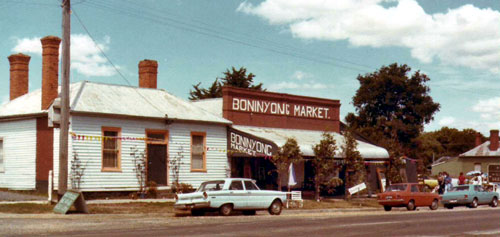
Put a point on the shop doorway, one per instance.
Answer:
(157, 159)
(257, 168)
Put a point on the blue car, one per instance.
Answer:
(469, 195)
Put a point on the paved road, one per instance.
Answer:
(458, 222)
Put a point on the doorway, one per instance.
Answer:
(157, 159)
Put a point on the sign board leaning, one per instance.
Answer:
(68, 200)
(494, 173)
(357, 188)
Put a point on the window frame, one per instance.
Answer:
(204, 154)
(2, 154)
(119, 153)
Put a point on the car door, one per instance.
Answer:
(485, 195)
(237, 194)
(254, 196)
(416, 195)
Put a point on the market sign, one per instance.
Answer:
(280, 108)
(240, 143)
(494, 173)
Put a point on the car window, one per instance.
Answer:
(397, 187)
(249, 185)
(477, 188)
(236, 185)
(211, 186)
(414, 189)
(460, 188)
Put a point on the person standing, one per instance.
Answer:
(461, 179)
(447, 182)
(440, 183)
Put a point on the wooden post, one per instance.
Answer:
(65, 67)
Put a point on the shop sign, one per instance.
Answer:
(280, 108)
(494, 173)
(246, 144)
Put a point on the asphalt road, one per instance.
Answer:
(483, 221)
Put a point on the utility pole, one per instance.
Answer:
(63, 135)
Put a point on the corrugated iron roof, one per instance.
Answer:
(103, 98)
(481, 150)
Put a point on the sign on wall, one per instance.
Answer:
(280, 108)
(494, 173)
(241, 143)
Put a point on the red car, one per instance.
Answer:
(409, 195)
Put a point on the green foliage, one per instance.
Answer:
(324, 165)
(182, 188)
(288, 153)
(445, 142)
(236, 78)
(354, 163)
(392, 106)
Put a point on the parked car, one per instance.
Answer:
(230, 194)
(470, 195)
(409, 195)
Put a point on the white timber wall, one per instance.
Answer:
(19, 147)
(179, 141)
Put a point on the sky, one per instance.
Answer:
(305, 47)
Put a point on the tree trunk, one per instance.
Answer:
(346, 185)
(279, 180)
(316, 185)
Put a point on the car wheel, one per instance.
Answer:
(275, 208)
(226, 209)
(434, 205)
(474, 203)
(387, 208)
(494, 202)
(448, 206)
(249, 213)
(411, 205)
(197, 213)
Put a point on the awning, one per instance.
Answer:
(306, 139)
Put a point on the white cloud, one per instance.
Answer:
(489, 109)
(465, 36)
(86, 58)
(299, 75)
(447, 121)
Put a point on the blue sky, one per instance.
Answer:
(314, 47)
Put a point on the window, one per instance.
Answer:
(198, 159)
(2, 167)
(111, 146)
(477, 167)
(414, 189)
(236, 185)
(249, 185)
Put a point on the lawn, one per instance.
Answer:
(165, 208)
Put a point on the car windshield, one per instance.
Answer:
(459, 188)
(211, 186)
(397, 187)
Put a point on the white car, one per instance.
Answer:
(226, 195)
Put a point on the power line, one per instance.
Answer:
(169, 22)
(110, 62)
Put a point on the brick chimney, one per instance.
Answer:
(148, 71)
(19, 74)
(50, 69)
(478, 139)
(494, 140)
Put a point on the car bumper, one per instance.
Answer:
(456, 202)
(392, 202)
(190, 206)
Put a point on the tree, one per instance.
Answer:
(392, 108)
(235, 78)
(324, 165)
(287, 154)
(354, 163)
(445, 142)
